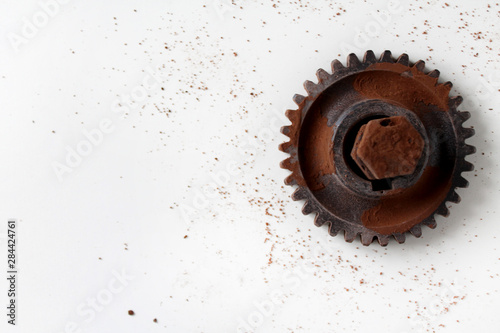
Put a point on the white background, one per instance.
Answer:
(228, 73)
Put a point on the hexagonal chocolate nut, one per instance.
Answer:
(387, 148)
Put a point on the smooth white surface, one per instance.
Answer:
(248, 242)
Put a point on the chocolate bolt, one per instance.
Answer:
(387, 148)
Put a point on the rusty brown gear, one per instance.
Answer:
(326, 125)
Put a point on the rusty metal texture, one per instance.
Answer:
(422, 161)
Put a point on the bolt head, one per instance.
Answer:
(387, 148)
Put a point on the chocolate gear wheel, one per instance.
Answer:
(326, 133)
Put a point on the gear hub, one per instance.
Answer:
(387, 148)
(377, 148)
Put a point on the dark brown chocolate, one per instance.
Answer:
(376, 148)
(387, 148)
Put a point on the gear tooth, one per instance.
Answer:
(386, 56)
(465, 115)
(454, 197)
(403, 60)
(462, 182)
(367, 238)
(333, 229)
(284, 146)
(455, 101)
(337, 66)
(285, 130)
(353, 61)
(308, 208)
(400, 238)
(310, 87)
(468, 132)
(286, 163)
(298, 99)
(349, 235)
(319, 220)
(299, 194)
(291, 114)
(416, 231)
(369, 57)
(322, 75)
(431, 222)
(469, 150)
(383, 240)
(419, 65)
(467, 166)
(448, 84)
(290, 180)
(434, 73)
(443, 210)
